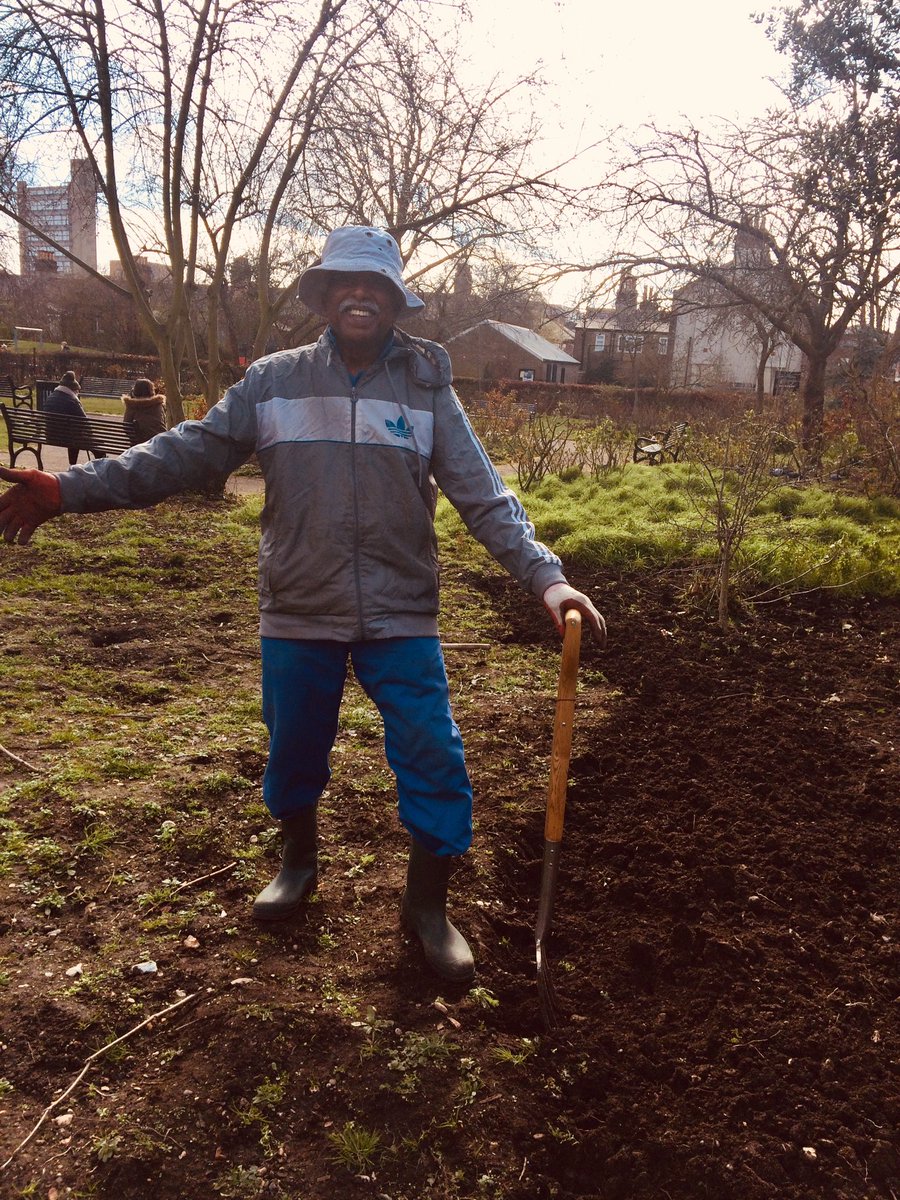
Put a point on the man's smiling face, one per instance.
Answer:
(361, 307)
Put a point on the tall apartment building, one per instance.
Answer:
(68, 214)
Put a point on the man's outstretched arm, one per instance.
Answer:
(33, 499)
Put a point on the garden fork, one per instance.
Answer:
(556, 807)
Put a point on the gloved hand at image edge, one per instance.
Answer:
(560, 596)
(34, 499)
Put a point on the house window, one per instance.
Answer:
(663, 347)
(631, 343)
(551, 373)
(599, 342)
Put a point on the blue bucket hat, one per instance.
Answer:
(357, 248)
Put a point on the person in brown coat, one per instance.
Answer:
(147, 408)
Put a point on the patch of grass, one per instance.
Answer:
(515, 1057)
(96, 838)
(214, 785)
(355, 1147)
(483, 997)
(51, 901)
(106, 1146)
(268, 1095)
(645, 518)
(359, 716)
(415, 1052)
(14, 844)
(118, 763)
(363, 863)
(43, 854)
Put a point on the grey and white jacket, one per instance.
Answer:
(348, 549)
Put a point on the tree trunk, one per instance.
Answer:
(723, 584)
(264, 327)
(171, 381)
(813, 408)
(213, 358)
(765, 354)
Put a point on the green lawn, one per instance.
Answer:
(799, 537)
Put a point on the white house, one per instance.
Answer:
(718, 343)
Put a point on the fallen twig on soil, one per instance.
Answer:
(21, 761)
(190, 883)
(87, 1066)
(820, 587)
(201, 878)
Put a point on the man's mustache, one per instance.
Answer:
(368, 305)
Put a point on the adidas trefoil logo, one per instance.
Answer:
(399, 428)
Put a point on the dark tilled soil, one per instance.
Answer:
(724, 954)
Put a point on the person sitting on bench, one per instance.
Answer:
(147, 408)
(64, 400)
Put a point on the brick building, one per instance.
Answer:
(495, 350)
(630, 343)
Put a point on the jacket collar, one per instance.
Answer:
(427, 363)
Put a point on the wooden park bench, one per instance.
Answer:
(17, 396)
(27, 430)
(656, 449)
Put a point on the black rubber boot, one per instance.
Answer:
(299, 869)
(424, 912)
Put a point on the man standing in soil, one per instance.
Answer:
(354, 435)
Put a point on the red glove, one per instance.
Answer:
(34, 500)
(559, 597)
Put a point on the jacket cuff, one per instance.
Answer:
(545, 576)
(70, 494)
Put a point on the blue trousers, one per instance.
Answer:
(302, 685)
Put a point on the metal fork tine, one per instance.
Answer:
(546, 992)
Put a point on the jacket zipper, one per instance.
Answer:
(356, 565)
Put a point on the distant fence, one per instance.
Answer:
(27, 366)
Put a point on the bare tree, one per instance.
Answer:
(188, 128)
(730, 478)
(493, 288)
(783, 182)
(451, 169)
(816, 184)
(204, 149)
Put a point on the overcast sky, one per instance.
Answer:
(619, 64)
(628, 62)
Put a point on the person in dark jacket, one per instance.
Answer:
(147, 408)
(64, 400)
(354, 435)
